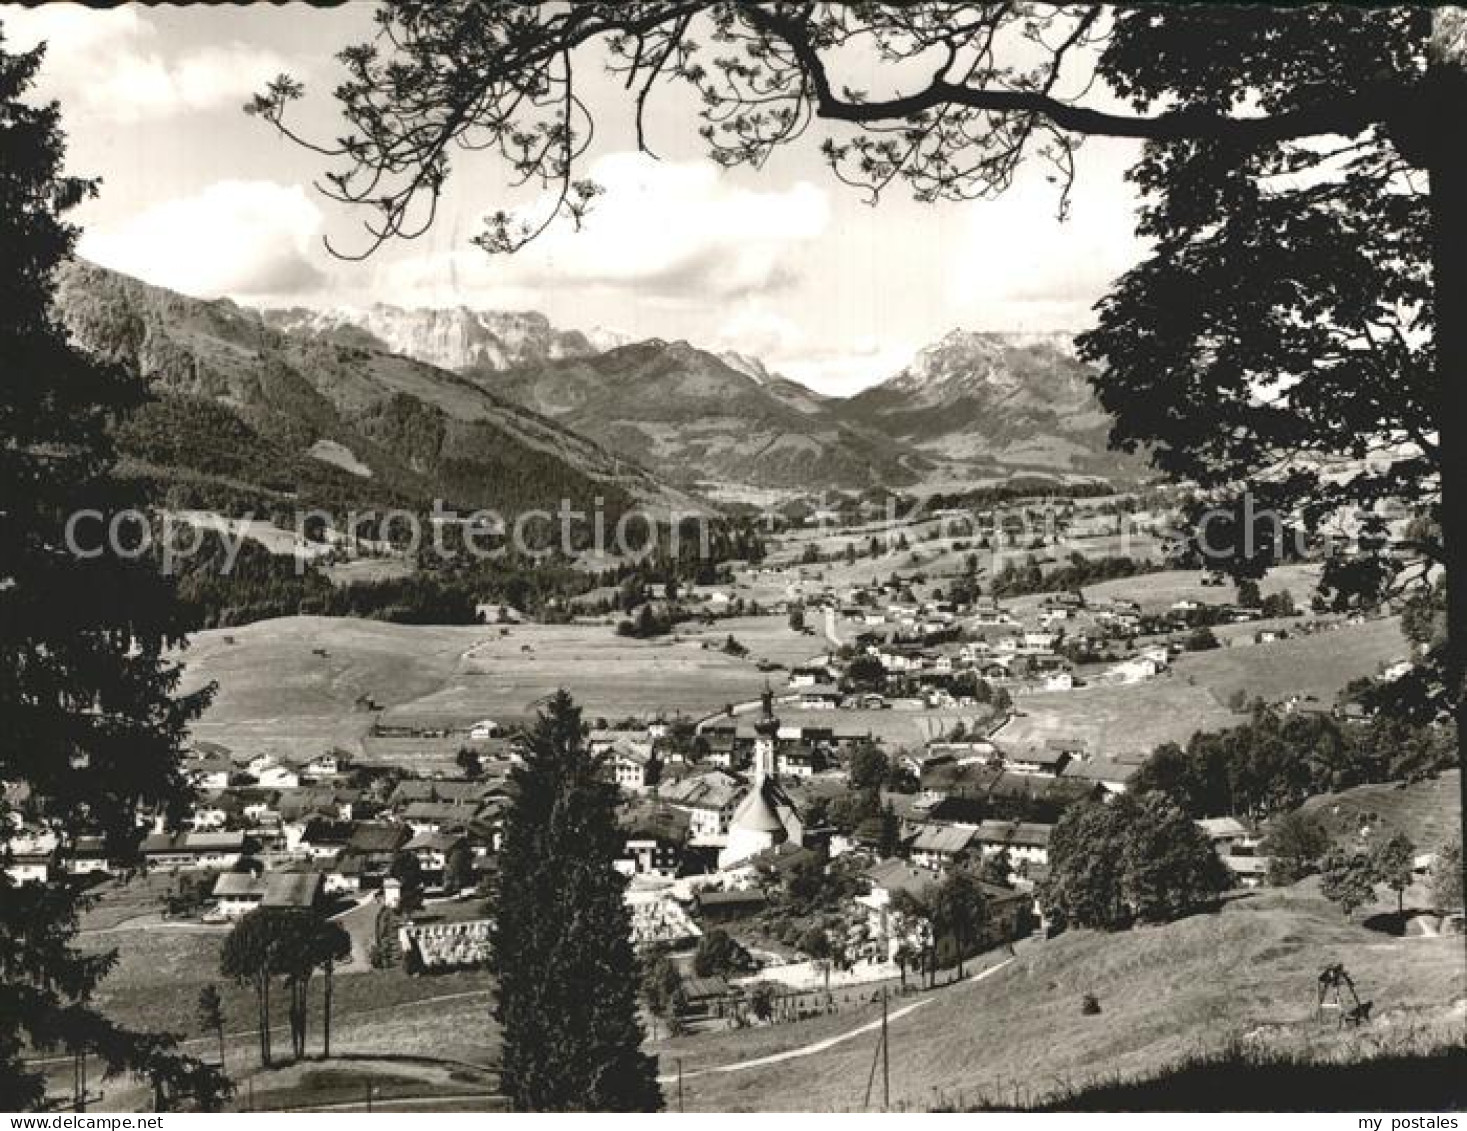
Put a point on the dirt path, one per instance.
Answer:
(829, 1042)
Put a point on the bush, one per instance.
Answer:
(1089, 1005)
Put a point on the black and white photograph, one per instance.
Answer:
(721, 556)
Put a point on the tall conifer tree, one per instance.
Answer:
(90, 726)
(567, 973)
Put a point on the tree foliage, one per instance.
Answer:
(93, 723)
(1276, 760)
(1132, 858)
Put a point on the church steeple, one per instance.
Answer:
(766, 731)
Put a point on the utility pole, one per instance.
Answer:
(885, 1057)
(680, 1107)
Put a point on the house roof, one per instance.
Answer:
(417, 789)
(1047, 755)
(437, 811)
(1216, 827)
(697, 989)
(323, 830)
(739, 897)
(194, 842)
(713, 790)
(944, 839)
(292, 889)
(897, 875)
(237, 884)
(433, 842)
(371, 836)
(1021, 834)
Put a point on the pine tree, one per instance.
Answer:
(562, 952)
(93, 729)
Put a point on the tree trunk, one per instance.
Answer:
(1447, 167)
(220, 1030)
(326, 1013)
(264, 998)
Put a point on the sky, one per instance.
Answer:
(783, 262)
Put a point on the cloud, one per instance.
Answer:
(673, 232)
(240, 238)
(108, 64)
(1019, 267)
(845, 371)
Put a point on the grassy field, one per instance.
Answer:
(1157, 592)
(293, 684)
(1319, 664)
(160, 971)
(1131, 718)
(1165, 992)
(1429, 812)
(895, 728)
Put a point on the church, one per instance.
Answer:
(766, 817)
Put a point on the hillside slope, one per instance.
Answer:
(250, 413)
(1247, 972)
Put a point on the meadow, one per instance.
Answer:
(1246, 972)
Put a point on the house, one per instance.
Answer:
(720, 750)
(916, 762)
(650, 856)
(435, 816)
(820, 696)
(1247, 871)
(88, 856)
(1026, 842)
(323, 838)
(1136, 670)
(194, 850)
(1108, 773)
(936, 847)
(326, 765)
(810, 675)
(634, 765)
(1049, 759)
(886, 929)
(709, 799)
(721, 906)
(432, 851)
(236, 894)
(1229, 836)
(209, 766)
(273, 773)
(33, 856)
(410, 790)
(485, 729)
(369, 838)
(800, 760)
(292, 890)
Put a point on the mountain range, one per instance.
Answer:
(503, 409)
(973, 405)
(251, 415)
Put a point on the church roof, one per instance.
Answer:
(756, 813)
